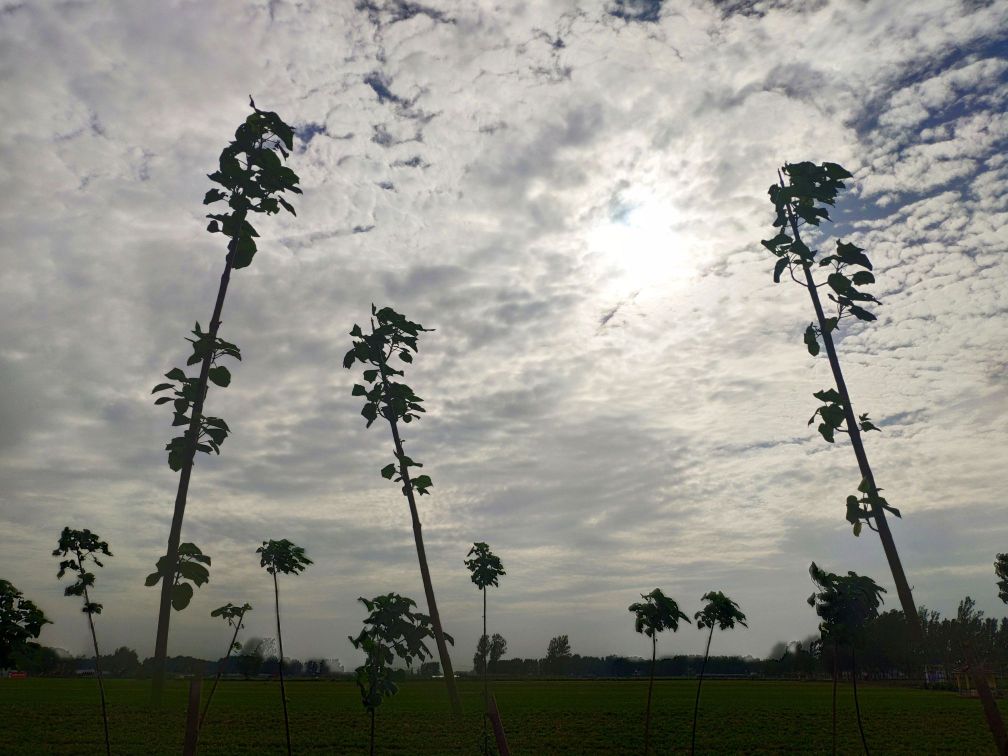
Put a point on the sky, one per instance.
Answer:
(572, 195)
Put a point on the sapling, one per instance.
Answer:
(391, 630)
(254, 179)
(77, 547)
(724, 613)
(234, 616)
(485, 568)
(845, 604)
(20, 620)
(656, 613)
(282, 556)
(392, 335)
(799, 201)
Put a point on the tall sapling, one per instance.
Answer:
(254, 179)
(392, 335)
(485, 568)
(724, 613)
(77, 547)
(234, 616)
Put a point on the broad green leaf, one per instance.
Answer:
(388, 471)
(245, 249)
(181, 596)
(779, 268)
(220, 375)
(811, 342)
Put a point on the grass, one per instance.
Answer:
(541, 717)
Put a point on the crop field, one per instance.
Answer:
(541, 717)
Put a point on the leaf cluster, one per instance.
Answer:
(485, 566)
(863, 507)
(656, 613)
(254, 179)
(212, 430)
(719, 610)
(189, 567)
(833, 415)
(1001, 570)
(844, 603)
(282, 556)
(80, 546)
(234, 615)
(391, 630)
(20, 619)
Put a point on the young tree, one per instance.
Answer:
(558, 652)
(20, 620)
(845, 605)
(1001, 570)
(77, 547)
(653, 615)
(722, 612)
(282, 556)
(234, 616)
(498, 647)
(799, 201)
(391, 629)
(392, 335)
(254, 179)
(485, 568)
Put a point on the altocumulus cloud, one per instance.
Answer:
(573, 199)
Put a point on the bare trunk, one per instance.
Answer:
(857, 705)
(486, 694)
(191, 743)
(836, 670)
(446, 665)
(991, 712)
(283, 690)
(97, 663)
(854, 430)
(372, 732)
(696, 705)
(647, 711)
(175, 534)
(220, 669)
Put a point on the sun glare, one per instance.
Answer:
(642, 246)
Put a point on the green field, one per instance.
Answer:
(541, 717)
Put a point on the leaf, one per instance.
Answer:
(220, 375)
(826, 431)
(358, 390)
(857, 528)
(181, 596)
(244, 251)
(861, 314)
(213, 196)
(370, 375)
(162, 387)
(862, 277)
(370, 412)
(162, 399)
(831, 324)
(388, 471)
(827, 395)
(779, 268)
(811, 341)
(153, 579)
(175, 374)
(349, 358)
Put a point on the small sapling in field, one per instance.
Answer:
(391, 630)
(722, 612)
(657, 612)
(234, 616)
(288, 558)
(78, 547)
(485, 569)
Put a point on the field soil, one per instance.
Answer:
(56, 716)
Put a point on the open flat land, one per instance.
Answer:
(56, 716)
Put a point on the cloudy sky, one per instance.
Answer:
(572, 195)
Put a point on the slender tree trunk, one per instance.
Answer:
(283, 690)
(854, 430)
(446, 665)
(857, 706)
(696, 705)
(836, 670)
(175, 534)
(372, 732)
(486, 694)
(97, 663)
(647, 710)
(993, 716)
(220, 669)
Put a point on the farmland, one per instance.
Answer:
(60, 716)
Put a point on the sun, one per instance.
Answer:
(642, 244)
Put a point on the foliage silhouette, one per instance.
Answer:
(498, 648)
(288, 558)
(20, 620)
(558, 653)
(189, 568)
(485, 569)
(254, 179)
(392, 629)
(656, 613)
(845, 605)
(724, 613)
(234, 616)
(1001, 570)
(799, 201)
(77, 547)
(392, 335)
